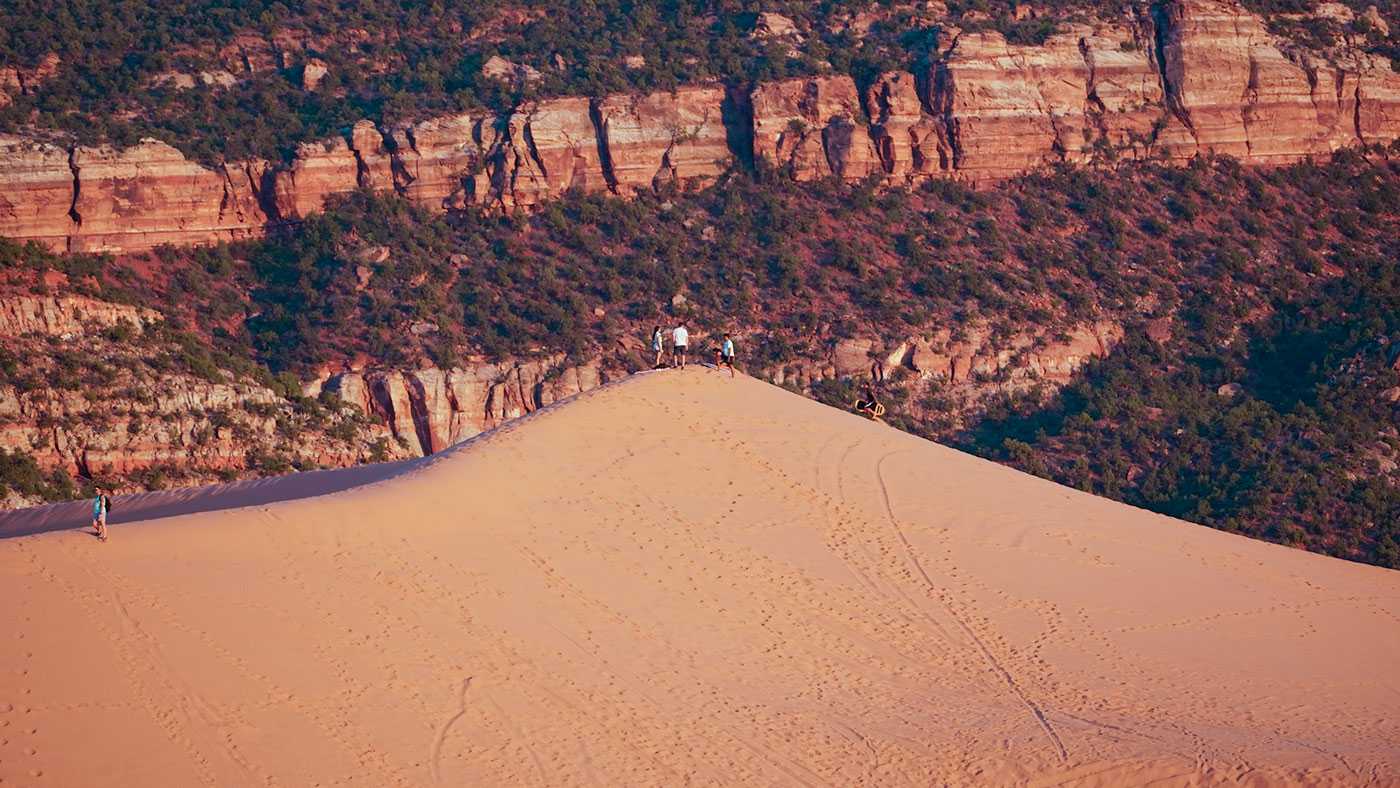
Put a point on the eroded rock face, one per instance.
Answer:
(150, 194)
(57, 316)
(429, 409)
(1230, 90)
(548, 148)
(36, 191)
(998, 120)
(320, 169)
(812, 128)
(664, 138)
(908, 139)
(1124, 98)
(440, 163)
(1183, 77)
(972, 355)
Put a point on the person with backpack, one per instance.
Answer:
(101, 505)
(680, 342)
(657, 341)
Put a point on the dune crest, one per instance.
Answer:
(683, 578)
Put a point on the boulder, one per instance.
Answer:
(312, 73)
(852, 357)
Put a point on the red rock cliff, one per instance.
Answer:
(1183, 78)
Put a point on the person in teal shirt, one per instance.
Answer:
(726, 354)
(100, 506)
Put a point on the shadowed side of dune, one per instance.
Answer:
(170, 503)
(138, 507)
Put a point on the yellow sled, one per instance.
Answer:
(875, 414)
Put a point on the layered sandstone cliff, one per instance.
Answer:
(1181, 78)
(428, 409)
(99, 410)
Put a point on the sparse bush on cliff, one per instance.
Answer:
(21, 475)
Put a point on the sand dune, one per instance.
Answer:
(683, 579)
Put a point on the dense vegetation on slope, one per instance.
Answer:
(1281, 282)
(400, 60)
(1305, 453)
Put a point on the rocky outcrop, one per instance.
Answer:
(38, 186)
(66, 315)
(1184, 77)
(664, 138)
(320, 169)
(180, 422)
(1007, 109)
(429, 409)
(148, 195)
(973, 354)
(1231, 90)
(547, 149)
(908, 139)
(441, 163)
(813, 128)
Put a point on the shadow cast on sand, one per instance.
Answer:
(170, 503)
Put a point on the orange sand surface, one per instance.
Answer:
(686, 579)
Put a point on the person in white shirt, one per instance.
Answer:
(680, 342)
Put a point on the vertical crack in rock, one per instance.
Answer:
(878, 117)
(950, 154)
(226, 200)
(736, 113)
(1094, 107)
(1310, 72)
(530, 148)
(418, 410)
(77, 188)
(1356, 112)
(1249, 102)
(362, 176)
(399, 175)
(1171, 92)
(605, 160)
(264, 190)
(666, 171)
(70, 242)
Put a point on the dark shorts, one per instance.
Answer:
(723, 359)
(680, 348)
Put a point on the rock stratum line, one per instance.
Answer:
(1181, 78)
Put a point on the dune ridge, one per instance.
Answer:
(689, 579)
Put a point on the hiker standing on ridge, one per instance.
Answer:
(726, 355)
(656, 346)
(680, 342)
(100, 506)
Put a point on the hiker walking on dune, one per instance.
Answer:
(680, 342)
(726, 355)
(100, 506)
(657, 346)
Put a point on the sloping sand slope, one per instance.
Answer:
(687, 579)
